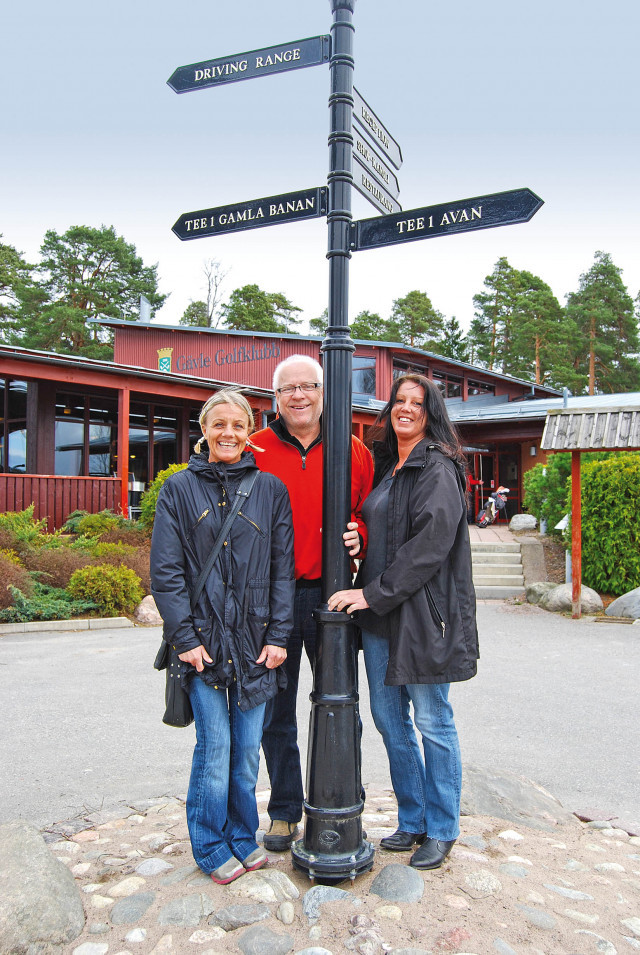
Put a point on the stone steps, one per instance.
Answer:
(497, 570)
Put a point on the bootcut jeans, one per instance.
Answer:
(222, 815)
(427, 789)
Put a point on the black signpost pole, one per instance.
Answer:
(333, 848)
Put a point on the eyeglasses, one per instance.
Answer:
(305, 386)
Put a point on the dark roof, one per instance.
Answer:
(610, 423)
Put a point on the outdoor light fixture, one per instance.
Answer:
(533, 450)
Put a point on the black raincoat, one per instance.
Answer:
(427, 589)
(247, 602)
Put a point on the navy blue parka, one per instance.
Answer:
(247, 602)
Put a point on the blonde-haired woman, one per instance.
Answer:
(234, 638)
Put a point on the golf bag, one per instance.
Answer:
(495, 502)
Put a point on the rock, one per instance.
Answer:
(474, 842)
(509, 835)
(147, 612)
(537, 917)
(186, 911)
(515, 871)
(98, 928)
(269, 885)
(452, 940)
(398, 883)
(522, 522)
(582, 917)
(559, 600)
(211, 935)
(481, 884)
(389, 912)
(164, 945)
(153, 867)
(180, 875)
(513, 798)
(632, 925)
(129, 910)
(534, 592)
(317, 896)
(239, 916)
(91, 948)
(609, 867)
(314, 950)
(286, 913)
(259, 940)
(39, 902)
(569, 893)
(127, 887)
(628, 605)
(502, 948)
(601, 944)
(135, 935)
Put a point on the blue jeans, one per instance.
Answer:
(280, 736)
(427, 789)
(221, 803)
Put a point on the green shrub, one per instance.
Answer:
(545, 490)
(133, 534)
(11, 556)
(93, 525)
(22, 525)
(137, 561)
(611, 523)
(149, 499)
(47, 603)
(114, 590)
(13, 576)
(70, 526)
(121, 551)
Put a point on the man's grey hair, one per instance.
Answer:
(314, 365)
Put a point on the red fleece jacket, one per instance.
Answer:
(302, 473)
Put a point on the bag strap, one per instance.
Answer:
(244, 490)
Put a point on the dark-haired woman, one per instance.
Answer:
(416, 606)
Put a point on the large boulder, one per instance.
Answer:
(522, 522)
(626, 606)
(147, 612)
(515, 798)
(535, 592)
(559, 600)
(40, 906)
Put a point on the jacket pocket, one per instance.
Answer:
(252, 523)
(256, 620)
(204, 630)
(435, 611)
(202, 517)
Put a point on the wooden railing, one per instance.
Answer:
(56, 496)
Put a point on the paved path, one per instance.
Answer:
(555, 699)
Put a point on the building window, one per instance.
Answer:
(480, 388)
(449, 385)
(363, 375)
(85, 435)
(13, 432)
(404, 368)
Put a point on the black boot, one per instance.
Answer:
(401, 841)
(431, 854)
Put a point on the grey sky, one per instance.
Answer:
(481, 97)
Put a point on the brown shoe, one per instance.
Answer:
(280, 835)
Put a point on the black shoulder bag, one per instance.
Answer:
(178, 705)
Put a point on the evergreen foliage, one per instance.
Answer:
(453, 343)
(251, 309)
(15, 279)
(85, 274)
(611, 523)
(545, 491)
(45, 603)
(414, 321)
(607, 330)
(113, 590)
(149, 499)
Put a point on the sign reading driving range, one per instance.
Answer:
(252, 214)
(245, 66)
(463, 215)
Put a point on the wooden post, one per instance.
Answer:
(123, 448)
(576, 535)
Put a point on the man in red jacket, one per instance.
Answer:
(292, 447)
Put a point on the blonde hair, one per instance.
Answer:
(228, 396)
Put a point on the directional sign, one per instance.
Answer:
(371, 188)
(306, 204)
(367, 120)
(245, 66)
(463, 215)
(365, 154)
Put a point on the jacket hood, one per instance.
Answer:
(218, 470)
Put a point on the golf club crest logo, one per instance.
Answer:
(164, 359)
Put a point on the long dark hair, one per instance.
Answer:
(440, 430)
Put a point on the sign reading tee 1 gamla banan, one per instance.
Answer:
(362, 155)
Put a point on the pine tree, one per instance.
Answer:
(607, 329)
(490, 332)
(453, 343)
(251, 309)
(417, 322)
